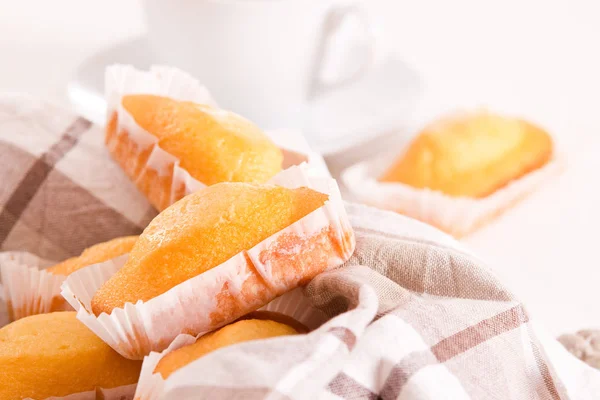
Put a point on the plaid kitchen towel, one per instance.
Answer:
(60, 192)
(413, 315)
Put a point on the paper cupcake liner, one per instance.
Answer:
(119, 393)
(297, 306)
(292, 304)
(154, 171)
(458, 216)
(151, 385)
(242, 284)
(159, 81)
(26, 288)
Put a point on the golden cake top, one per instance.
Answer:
(471, 154)
(199, 232)
(241, 331)
(96, 254)
(212, 144)
(56, 355)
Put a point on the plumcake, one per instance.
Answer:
(95, 254)
(471, 155)
(238, 332)
(205, 229)
(55, 355)
(211, 144)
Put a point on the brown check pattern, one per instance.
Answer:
(413, 315)
(48, 206)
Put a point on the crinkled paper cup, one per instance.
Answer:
(293, 305)
(27, 288)
(119, 393)
(155, 172)
(150, 385)
(319, 241)
(297, 306)
(458, 216)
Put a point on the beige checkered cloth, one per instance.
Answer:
(60, 192)
(413, 315)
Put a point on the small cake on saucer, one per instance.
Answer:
(471, 155)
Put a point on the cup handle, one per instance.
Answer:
(332, 24)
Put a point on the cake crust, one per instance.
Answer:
(202, 231)
(56, 355)
(238, 332)
(95, 254)
(211, 144)
(471, 155)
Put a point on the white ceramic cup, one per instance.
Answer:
(260, 58)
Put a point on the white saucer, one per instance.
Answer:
(380, 103)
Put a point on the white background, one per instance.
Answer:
(538, 58)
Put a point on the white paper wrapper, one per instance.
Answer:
(160, 80)
(119, 393)
(458, 216)
(296, 151)
(151, 385)
(191, 307)
(296, 306)
(292, 304)
(169, 181)
(26, 288)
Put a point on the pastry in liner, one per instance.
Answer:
(209, 144)
(237, 332)
(55, 355)
(460, 172)
(319, 240)
(471, 155)
(293, 310)
(201, 231)
(30, 289)
(95, 254)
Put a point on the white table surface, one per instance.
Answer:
(534, 57)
